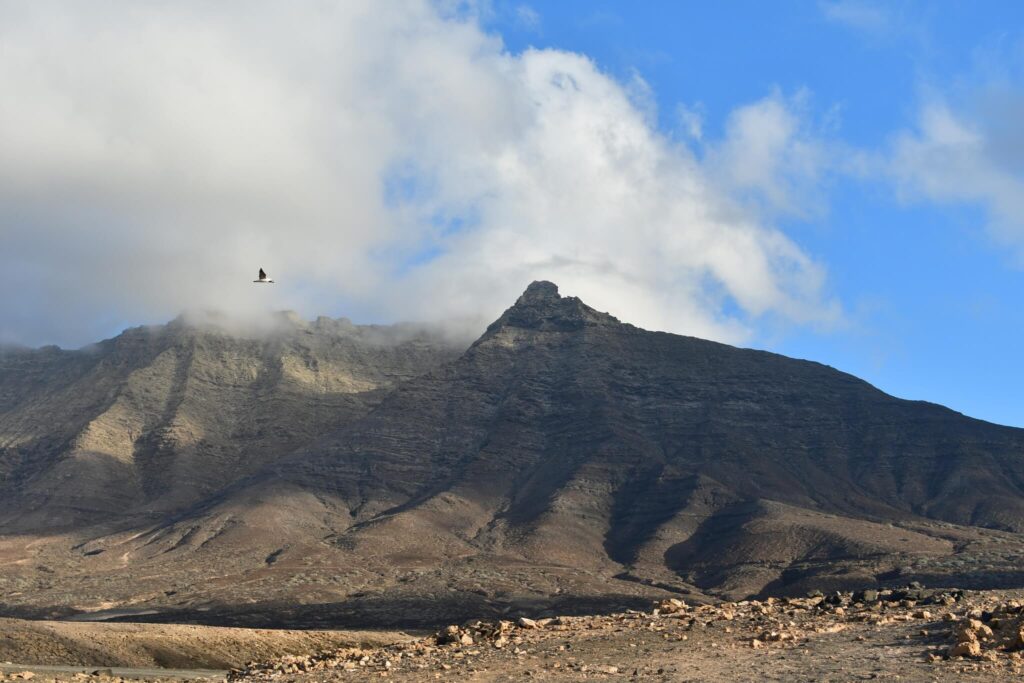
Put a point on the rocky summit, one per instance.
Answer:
(327, 474)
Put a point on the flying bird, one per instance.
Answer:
(263, 277)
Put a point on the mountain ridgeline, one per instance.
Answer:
(160, 417)
(331, 473)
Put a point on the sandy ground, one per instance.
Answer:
(174, 646)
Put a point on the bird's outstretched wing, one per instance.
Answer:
(263, 276)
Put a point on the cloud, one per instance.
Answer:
(770, 153)
(859, 15)
(527, 17)
(380, 161)
(968, 157)
(691, 121)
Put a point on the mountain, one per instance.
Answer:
(563, 459)
(160, 417)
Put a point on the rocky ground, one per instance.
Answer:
(66, 674)
(908, 634)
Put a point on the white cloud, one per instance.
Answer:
(770, 153)
(527, 17)
(857, 14)
(691, 121)
(956, 157)
(378, 159)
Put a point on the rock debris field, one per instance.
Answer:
(905, 634)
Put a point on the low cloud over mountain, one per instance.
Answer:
(390, 163)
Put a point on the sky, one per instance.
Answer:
(840, 180)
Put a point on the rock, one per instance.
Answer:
(451, 634)
(523, 622)
(756, 644)
(671, 606)
(922, 614)
(964, 633)
(869, 596)
(834, 599)
(968, 648)
(466, 639)
(1017, 641)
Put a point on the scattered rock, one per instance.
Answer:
(991, 633)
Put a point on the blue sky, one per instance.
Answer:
(840, 180)
(934, 302)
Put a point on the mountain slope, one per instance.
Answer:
(159, 418)
(565, 434)
(566, 456)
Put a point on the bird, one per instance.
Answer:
(263, 278)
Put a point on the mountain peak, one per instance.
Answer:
(541, 307)
(541, 290)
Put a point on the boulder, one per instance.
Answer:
(967, 648)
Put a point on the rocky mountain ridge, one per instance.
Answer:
(563, 458)
(159, 417)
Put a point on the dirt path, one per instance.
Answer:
(64, 673)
